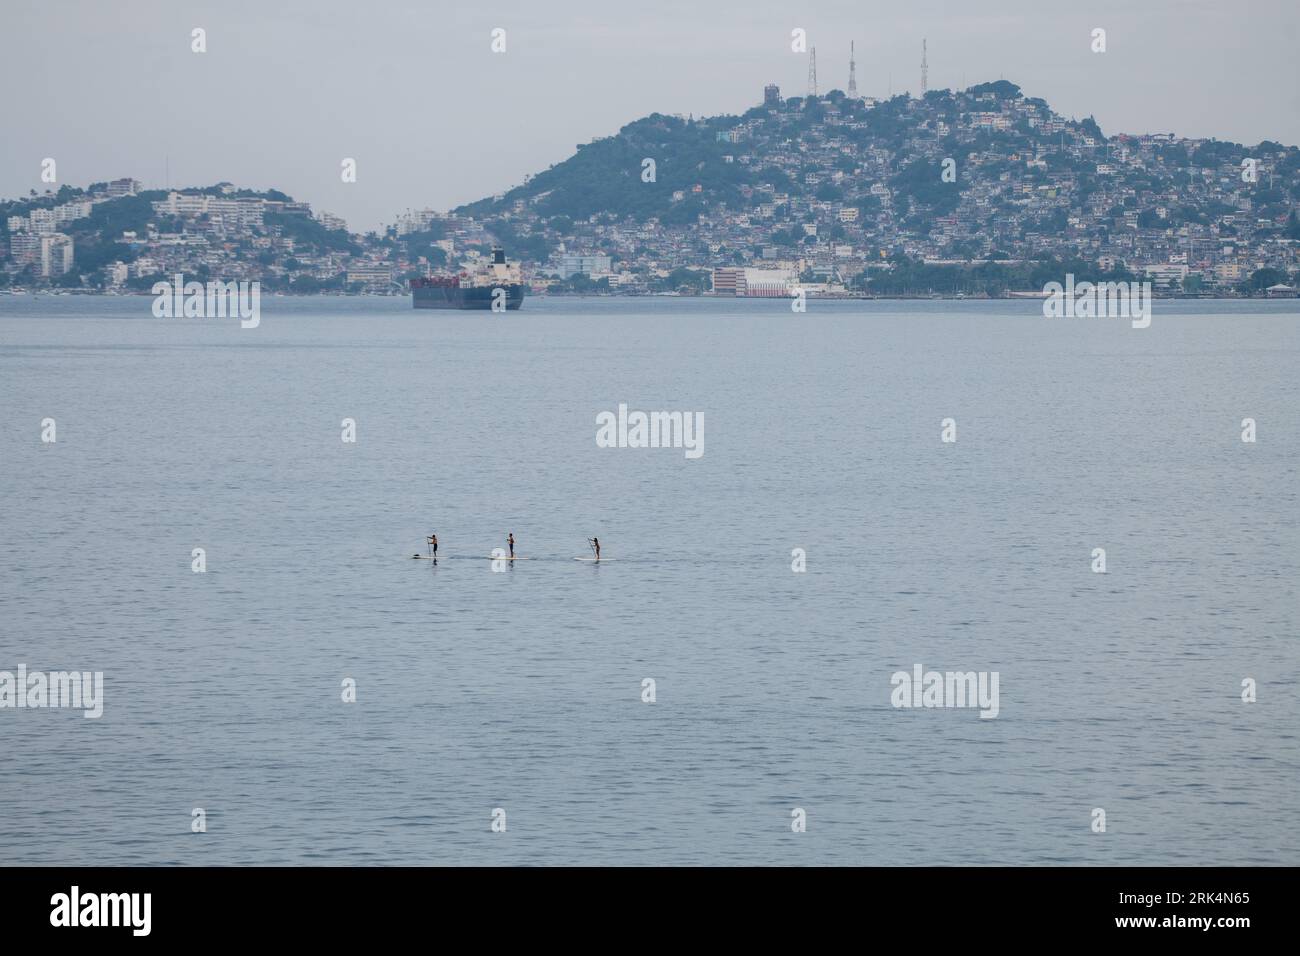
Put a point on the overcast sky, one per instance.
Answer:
(434, 118)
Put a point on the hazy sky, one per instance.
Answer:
(412, 91)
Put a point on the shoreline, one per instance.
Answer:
(919, 297)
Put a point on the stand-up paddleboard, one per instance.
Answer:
(595, 560)
(494, 557)
(427, 557)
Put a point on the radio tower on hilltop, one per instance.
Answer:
(925, 71)
(853, 74)
(812, 71)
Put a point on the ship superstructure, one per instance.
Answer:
(487, 285)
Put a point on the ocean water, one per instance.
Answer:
(521, 688)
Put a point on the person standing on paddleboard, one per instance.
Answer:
(595, 544)
(510, 540)
(433, 544)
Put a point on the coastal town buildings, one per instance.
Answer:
(834, 193)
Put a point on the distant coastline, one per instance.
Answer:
(1026, 296)
(977, 193)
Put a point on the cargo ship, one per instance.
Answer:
(474, 287)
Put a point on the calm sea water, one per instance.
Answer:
(522, 689)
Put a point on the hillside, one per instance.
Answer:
(132, 240)
(804, 177)
(975, 192)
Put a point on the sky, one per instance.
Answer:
(413, 92)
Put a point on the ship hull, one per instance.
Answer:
(452, 297)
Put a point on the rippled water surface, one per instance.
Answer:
(522, 689)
